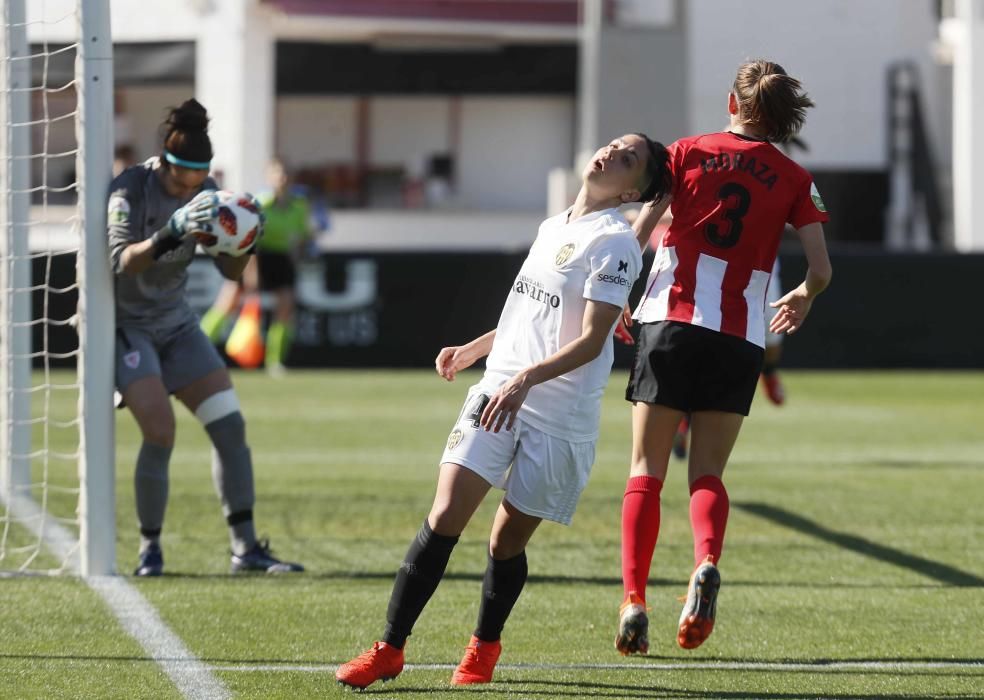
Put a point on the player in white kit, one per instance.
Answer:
(530, 425)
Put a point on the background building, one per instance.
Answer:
(467, 106)
(451, 127)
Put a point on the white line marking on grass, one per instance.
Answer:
(141, 621)
(136, 616)
(818, 666)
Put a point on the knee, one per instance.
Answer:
(444, 521)
(220, 413)
(644, 465)
(159, 429)
(705, 474)
(501, 546)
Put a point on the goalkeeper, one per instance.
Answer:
(156, 212)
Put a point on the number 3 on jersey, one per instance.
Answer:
(737, 200)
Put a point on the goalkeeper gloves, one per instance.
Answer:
(193, 218)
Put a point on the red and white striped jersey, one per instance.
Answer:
(732, 197)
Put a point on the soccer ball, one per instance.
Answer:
(236, 227)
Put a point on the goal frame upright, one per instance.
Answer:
(96, 310)
(95, 313)
(15, 270)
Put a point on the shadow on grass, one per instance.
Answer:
(922, 464)
(705, 663)
(927, 567)
(548, 579)
(633, 690)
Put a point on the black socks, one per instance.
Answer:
(504, 581)
(421, 571)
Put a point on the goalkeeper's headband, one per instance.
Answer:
(192, 164)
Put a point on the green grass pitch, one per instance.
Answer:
(855, 539)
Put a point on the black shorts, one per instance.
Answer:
(276, 271)
(691, 368)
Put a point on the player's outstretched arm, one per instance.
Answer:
(649, 216)
(794, 307)
(458, 357)
(596, 329)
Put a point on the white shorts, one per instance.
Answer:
(542, 475)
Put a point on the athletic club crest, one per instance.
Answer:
(132, 359)
(454, 439)
(564, 254)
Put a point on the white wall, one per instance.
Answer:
(508, 145)
(146, 107)
(131, 20)
(403, 131)
(840, 49)
(315, 130)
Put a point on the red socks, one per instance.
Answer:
(640, 528)
(640, 525)
(708, 517)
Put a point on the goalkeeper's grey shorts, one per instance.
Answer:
(178, 356)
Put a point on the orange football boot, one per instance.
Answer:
(478, 663)
(381, 663)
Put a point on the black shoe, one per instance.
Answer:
(151, 561)
(260, 558)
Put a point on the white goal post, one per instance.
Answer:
(81, 539)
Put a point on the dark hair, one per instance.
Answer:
(658, 177)
(185, 132)
(771, 99)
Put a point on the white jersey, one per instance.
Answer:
(595, 257)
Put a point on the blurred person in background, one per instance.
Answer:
(288, 236)
(123, 157)
(771, 382)
(157, 211)
(531, 424)
(702, 316)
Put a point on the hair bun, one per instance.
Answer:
(190, 116)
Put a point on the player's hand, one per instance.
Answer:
(505, 403)
(451, 360)
(622, 333)
(195, 217)
(793, 309)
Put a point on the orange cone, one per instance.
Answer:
(245, 344)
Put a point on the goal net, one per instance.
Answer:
(57, 511)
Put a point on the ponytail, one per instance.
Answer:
(770, 99)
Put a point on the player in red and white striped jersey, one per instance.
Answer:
(703, 325)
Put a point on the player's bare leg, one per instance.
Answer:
(281, 332)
